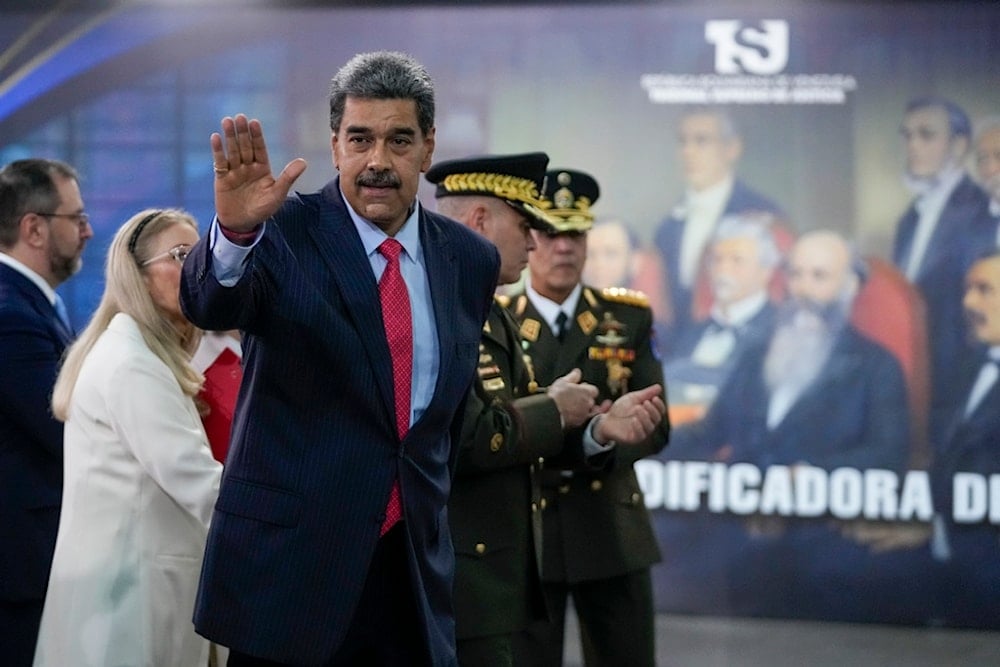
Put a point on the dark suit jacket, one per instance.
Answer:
(971, 444)
(314, 448)
(972, 575)
(963, 230)
(854, 414)
(681, 370)
(668, 241)
(32, 341)
(494, 506)
(595, 523)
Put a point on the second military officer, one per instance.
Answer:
(598, 543)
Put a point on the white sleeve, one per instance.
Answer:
(159, 424)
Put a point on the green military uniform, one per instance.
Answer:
(603, 509)
(595, 522)
(494, 507)
(495, 500)
(598, 542)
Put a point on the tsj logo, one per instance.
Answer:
(747, 49)
(751, 58)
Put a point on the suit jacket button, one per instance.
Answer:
(564, 488)
(635, 498)
(496, 442)
(480, 548)
(596, 485)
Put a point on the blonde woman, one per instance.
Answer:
(140, 480)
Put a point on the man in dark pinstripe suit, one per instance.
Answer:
(304, 564)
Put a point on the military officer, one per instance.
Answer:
(598, 544)
(511, 423)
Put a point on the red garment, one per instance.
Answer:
(218, 396)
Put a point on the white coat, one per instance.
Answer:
(139, 486)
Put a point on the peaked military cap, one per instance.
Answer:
(567, 198)
(516, 179)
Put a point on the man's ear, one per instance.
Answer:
(30, 230)
(479, 217)
(429, 143)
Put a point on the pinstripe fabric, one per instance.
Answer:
(314, 448)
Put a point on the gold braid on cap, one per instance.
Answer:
(568, 208)
(503, 186)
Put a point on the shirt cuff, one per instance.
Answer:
(590, 445)
(229, 258)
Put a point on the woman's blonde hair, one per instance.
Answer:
(125, 291)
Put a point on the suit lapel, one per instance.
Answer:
(904, 238)
(982, 418)
(341, 249)
(439, 263)
(494, 329)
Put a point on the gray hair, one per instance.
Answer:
(383, 75)
(754, 226)
(29, 186)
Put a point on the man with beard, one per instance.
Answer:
(742, 257)
(821, 395)
(741, 260)
(945, 227)
(43, 231)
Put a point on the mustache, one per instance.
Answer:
(377, 179)
(974, 318)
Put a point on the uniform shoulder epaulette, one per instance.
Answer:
(502, 299)
(630, 297)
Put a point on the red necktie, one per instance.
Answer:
(399, 334)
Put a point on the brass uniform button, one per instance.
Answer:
(542, 503)
(480, 548)
(596, 485)
(496, 442)
(564, 488)
(635, 498)
(534, 507)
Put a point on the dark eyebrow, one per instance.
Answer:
(361, 129)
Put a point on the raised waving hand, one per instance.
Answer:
(246, 192)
